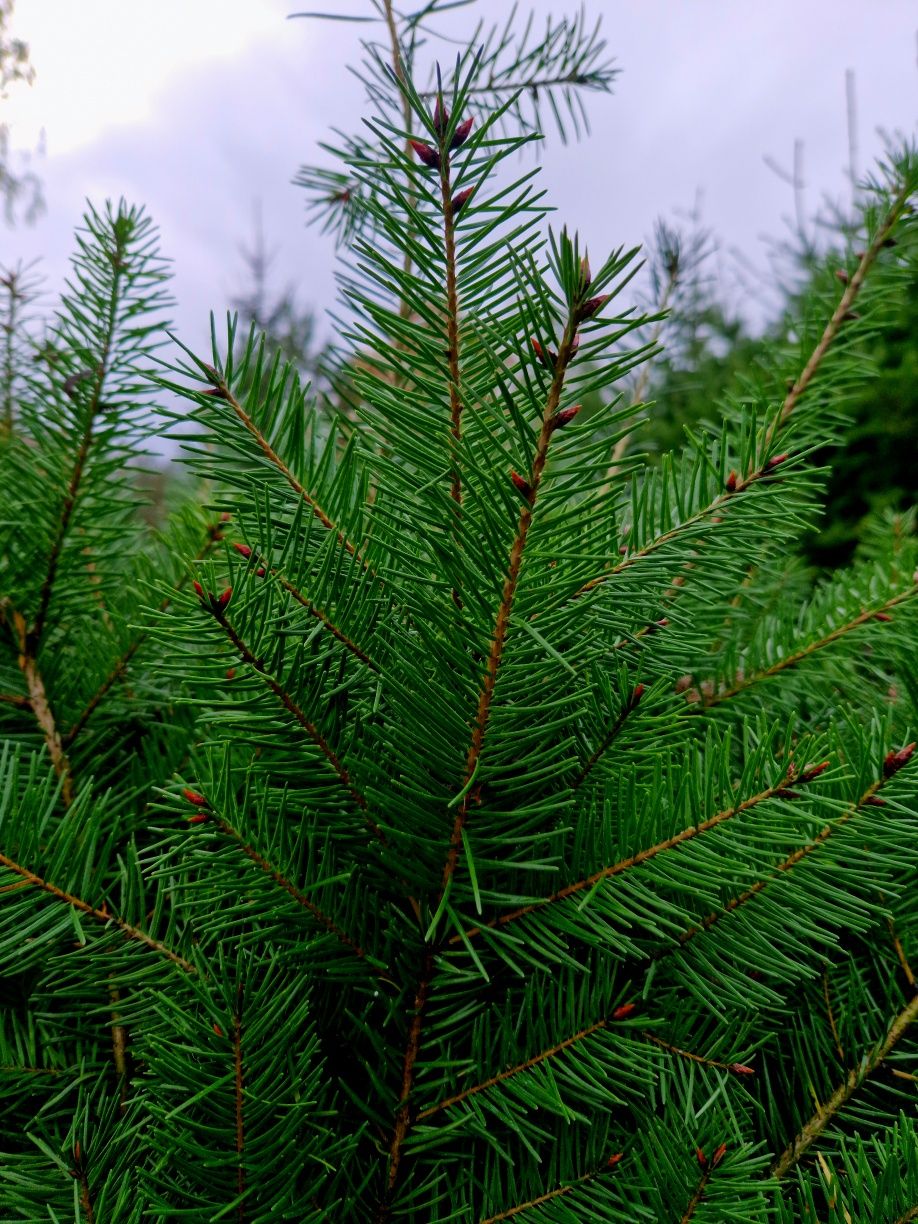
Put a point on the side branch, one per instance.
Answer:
(292, 708)
(119, 669)
(38, 702)
(634, 860)
(843, 1093)
(282, 882)
(100, 915)
(742, 483)
(554, 1194)
(804, 652)
(222, 391)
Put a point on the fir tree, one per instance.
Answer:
(434, 827)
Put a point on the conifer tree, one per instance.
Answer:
(431, 826)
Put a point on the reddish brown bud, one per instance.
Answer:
(842, 275)
(637, 694)
(586, 276)
(874, 801)
(784, 793)
(546, 356)
(895, 760)
(195, 798)
(461, 134)
(614, 1159)
(223, 600)
(742, 1069)
(775, 460)
(460, 199)
(625, 1010)
(683, 683)
(243, 550)
(718, 1156)
(575, 344)
(592, 305)
(882, 616)
(523, 485)
(860, 254)
(813, 771)
(226, 517)
(218, 1030)
(260, 572)
(565, 416)
(230, 673)
(199, 819)
(702, 1159)
(198, 589)
(440, 118)
(731, 483)
(623, 550)
(850, 316)
(77, 1151)
(428, 155)
(889, 242)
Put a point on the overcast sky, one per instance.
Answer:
(200, 108)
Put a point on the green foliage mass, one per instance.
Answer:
(446, 816)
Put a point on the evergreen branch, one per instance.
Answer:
(734, 1067)
(290, 888)
(532, 84)
(39, 704)
(78, 1172)
(119, 1048)
(698, 1194)
(798, 855)
(804, 652)
(554, 1194)
(486, 692)
(119, 669)
(529, 489)
(452, 315)
(310, 607)
(536, 1059)
(13, 1071)
(831, 1015)
(219, 615)
(240, 1100)
(812, 1129)
(101, 915)
(903, 960)
(742, 483)
(398, 68)
(610, 737)
(222, 391)
(403, 1117)
(848, 298)
(634, 860)
(92, 411)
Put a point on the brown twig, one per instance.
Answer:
(100, 915)
(804, 652)
(623, 865)
(554, 1194)
(281, 880)
(292, 708)
(40, 705)
(812, 1129)
(831, 1014)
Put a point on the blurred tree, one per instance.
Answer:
(17, 187)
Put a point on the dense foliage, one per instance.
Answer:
(448, 816)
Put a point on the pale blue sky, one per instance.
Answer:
(198, 108)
